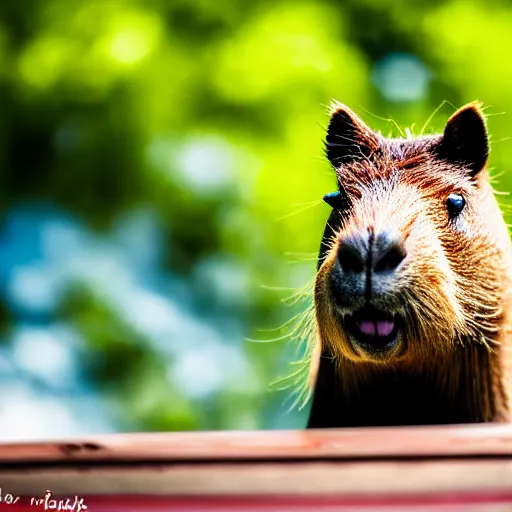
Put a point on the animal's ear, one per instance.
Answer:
(465, 139)
(348, 138)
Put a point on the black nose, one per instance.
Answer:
(353, 253)
(362, 251)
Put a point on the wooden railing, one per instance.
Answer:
(466, 468)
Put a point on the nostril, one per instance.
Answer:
(392, 257)
(350, 258)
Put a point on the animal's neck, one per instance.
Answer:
(467, 387)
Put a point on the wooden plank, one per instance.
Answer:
(444, 503)
(406, 478)
(457, 469)
(376, 443)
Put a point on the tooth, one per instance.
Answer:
(367, 328)
(385, 327)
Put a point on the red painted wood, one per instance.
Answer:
(435, 502)
(309, 444)
(307, 462)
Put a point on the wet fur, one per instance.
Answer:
(454, 289)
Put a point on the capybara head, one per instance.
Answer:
(415, 256)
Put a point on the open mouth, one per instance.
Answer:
(373, 329)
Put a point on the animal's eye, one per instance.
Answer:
(335, 199)
(455, 204)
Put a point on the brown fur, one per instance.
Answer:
(453, 289)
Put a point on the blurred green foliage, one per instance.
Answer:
(210, 116)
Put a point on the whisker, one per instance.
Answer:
(427, 122)
(271, 340)
(309, 205)
(387, 119)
